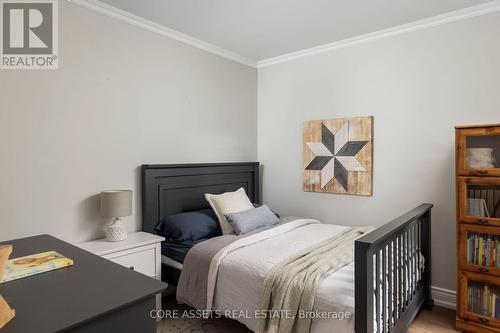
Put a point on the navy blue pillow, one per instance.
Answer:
(189, 228)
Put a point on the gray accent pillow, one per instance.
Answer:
(249, 220)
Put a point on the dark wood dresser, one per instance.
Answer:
(478, 228)
(94, 295)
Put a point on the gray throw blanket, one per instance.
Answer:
(291, 285)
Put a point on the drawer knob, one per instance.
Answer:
(484, 320)
(131, 267)
(483, 172)
(484, 270)
(482, 221)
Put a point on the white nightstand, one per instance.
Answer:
(141, 252)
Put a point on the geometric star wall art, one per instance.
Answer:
(338, 156)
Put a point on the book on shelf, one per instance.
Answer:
(497, 306)
(18, 268)
(484, 300)
(483, 249)
(477, 207)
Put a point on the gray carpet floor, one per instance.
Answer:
(195, 325)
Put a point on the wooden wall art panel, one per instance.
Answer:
(338, 156)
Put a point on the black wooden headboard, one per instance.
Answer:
(175, 188)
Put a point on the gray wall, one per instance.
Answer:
(122, 96)
(417, 86)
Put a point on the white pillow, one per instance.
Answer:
(229, 202)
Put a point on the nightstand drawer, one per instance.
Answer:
(140, 260)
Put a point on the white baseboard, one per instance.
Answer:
(444, 297)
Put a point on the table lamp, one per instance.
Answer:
(116, 204)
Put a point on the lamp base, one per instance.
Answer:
(116, 231)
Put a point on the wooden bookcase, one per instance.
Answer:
(478, 228)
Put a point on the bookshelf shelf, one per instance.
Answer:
(478, 228)
(477, 151)
(484, 299)
(479, 200)
(479, 249)
(480, 291)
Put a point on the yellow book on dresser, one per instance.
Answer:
(18, 268)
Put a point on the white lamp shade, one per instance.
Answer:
(116, 203)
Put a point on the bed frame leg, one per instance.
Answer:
(363, 273)
(429, 304)
(426, 251)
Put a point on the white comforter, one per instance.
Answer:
(241, 274)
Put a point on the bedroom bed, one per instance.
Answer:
(385, 286)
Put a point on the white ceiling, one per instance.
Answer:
(262, 29)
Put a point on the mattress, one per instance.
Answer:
(171, 262)
(176, 251)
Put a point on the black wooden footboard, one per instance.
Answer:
(392, 281)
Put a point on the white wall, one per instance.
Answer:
(122, 97)
(418, 86)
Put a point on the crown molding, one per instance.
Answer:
(457, 15)
(125, 16)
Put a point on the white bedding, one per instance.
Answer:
(238, 270)
(241, 274)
